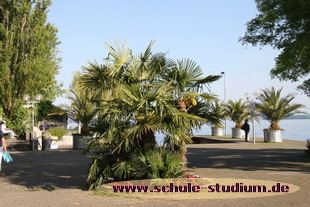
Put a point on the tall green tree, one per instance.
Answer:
(285, 25)
(28, 52)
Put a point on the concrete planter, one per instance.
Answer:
(272, 135)
(66, 141)
(217, 131)
(79, 141)
(237, 133)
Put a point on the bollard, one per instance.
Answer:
(46, 141)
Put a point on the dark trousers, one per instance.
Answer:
(246, 136)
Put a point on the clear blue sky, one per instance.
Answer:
(206, 31)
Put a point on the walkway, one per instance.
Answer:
(58, 178)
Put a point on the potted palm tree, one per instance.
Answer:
(237, 111)
(217, 114)
(214, 113)
(83, 110)
(275, 108)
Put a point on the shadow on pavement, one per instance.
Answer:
(249, 159)
(47, 169)
(68, 169)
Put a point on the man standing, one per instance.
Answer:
(246, 128)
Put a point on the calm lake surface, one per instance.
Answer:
(293, 129)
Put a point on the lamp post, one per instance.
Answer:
(248, 97)
(223, 74)
(30, 105)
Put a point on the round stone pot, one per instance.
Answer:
(237, 133)
(216, 131)
(273, 136)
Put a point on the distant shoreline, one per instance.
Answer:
(298, 117)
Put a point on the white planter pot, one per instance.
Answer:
(217, 131)
(237, 133)
(273, 135)
(79, 141)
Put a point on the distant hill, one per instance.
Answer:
(299, 116)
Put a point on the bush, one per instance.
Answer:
(58, 132)
(19, 119)
(151, 164)
(158, 163)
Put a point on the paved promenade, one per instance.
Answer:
(58, 178)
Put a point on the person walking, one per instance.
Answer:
(2, 146)
(246, 128)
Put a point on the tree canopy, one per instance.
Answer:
(137, 96)
(28, 52)
(284, 25)
(275, 108)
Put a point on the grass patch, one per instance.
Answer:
(58, 132)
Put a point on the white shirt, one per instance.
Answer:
(3, 128)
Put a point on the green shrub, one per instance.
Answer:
(19, 119)
(58, 132)
(151, 164)
(158, 163)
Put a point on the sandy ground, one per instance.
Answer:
(58, 178)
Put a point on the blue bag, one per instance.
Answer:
(7, 157)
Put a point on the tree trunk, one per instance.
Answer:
(183, 158)
(148, 140)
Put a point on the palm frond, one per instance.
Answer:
(275, 108)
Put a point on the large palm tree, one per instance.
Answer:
(275, 108)
(134, 101)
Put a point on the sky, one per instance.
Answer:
(206, 31)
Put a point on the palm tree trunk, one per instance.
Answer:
(183, 158)
(182, 108)
(182, 105)
(148, 140)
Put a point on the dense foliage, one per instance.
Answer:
(58, 132)
(237, 111)
(137, 96)
(20, 118)
(82, 109)
(28, 52)
(275, 108)
(214, 112)
(285, 25)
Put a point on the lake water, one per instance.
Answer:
(293, 129)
